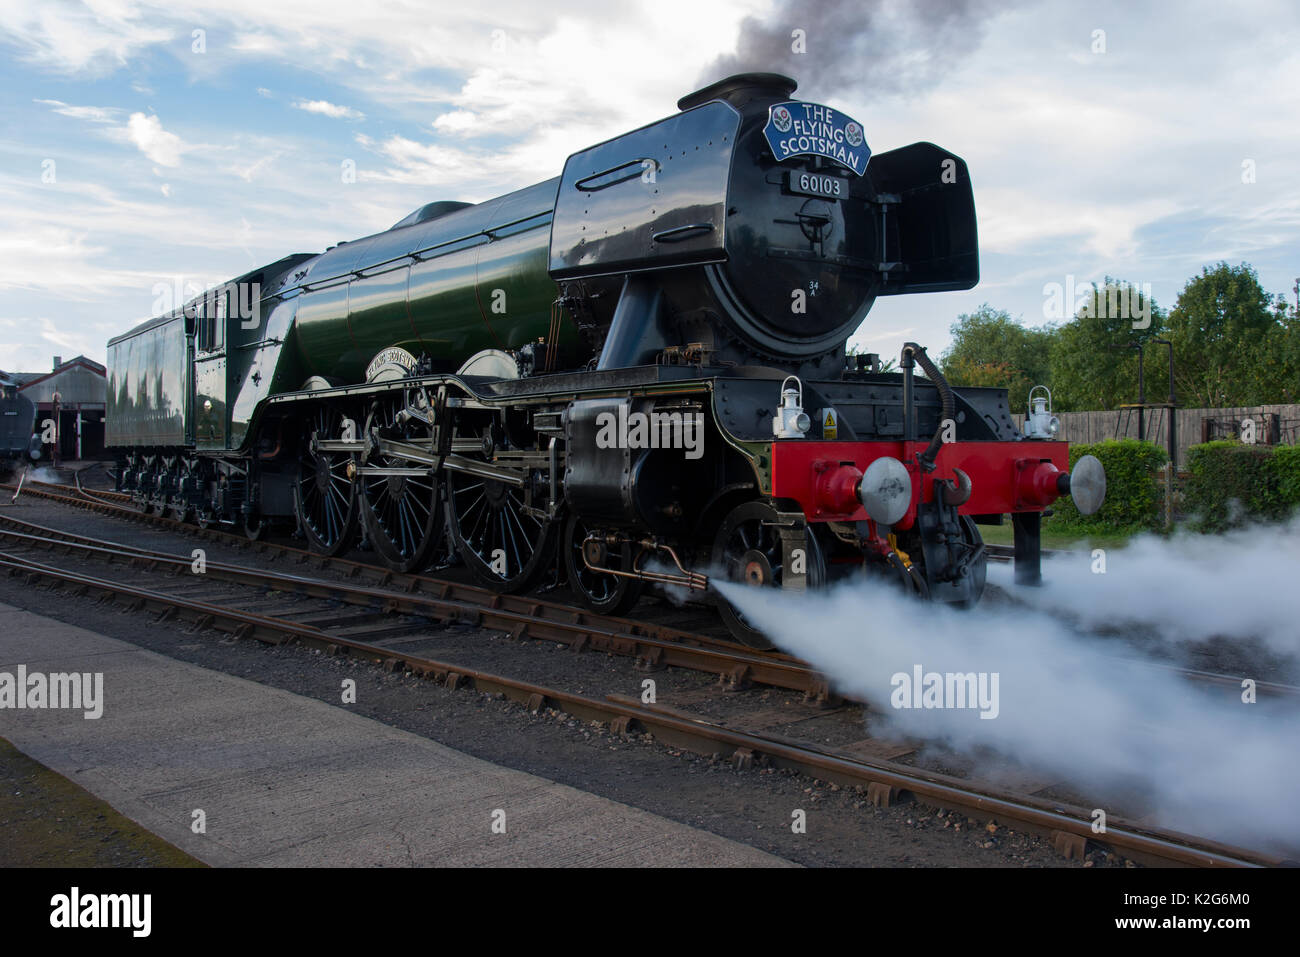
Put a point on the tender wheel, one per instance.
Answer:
(747, 549)
(159, 498)
(324, 497)
(142, 495)
(205, 512)
(501, 530)
(404, 520)
(606, 594)
(178, 508)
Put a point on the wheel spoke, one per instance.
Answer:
(506, 514)
(399, 512)
(326, 499)
(488, 520)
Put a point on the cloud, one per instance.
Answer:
(148, 135)
(248, 172)
(255, 43)
(326, 108)
(145, 132)
(93, 114)
(48, 255)
(94, 38)
(1122, 163)
(28, 341)
(457, 121)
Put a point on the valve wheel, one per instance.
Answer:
(606, 594)
(748, 550)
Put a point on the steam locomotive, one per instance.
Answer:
(635, 371)
(18, 445)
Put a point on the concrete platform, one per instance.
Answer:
(285, 780)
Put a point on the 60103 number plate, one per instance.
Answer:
(816, 184)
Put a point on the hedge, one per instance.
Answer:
(1286, 467)
(1230, 484)
(1133, 495)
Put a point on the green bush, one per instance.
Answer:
(1231, 483)
(1133, 493)
(1286, 470)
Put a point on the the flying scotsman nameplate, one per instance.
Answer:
(807, 129)
(391, 363)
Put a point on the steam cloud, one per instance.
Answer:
(1244, 584)
(888, 47)
(1197, 759)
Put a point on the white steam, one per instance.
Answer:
(1190, 587)
(1196, 759)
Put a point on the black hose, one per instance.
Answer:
(926, 458)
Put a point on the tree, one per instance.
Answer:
(1233, 342)
(1289, 318)
(967, 372)
(991, 349)
(1093, 364)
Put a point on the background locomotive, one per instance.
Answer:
(523, 374)
(19, 445)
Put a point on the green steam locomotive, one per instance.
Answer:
(635, 371)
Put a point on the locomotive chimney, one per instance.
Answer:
(58, 361)
(741, 90)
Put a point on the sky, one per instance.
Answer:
(148, 149)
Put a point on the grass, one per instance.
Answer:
(48, 821)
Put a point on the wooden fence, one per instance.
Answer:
(1274, 424)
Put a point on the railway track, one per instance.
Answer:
(869, 764)
(1007, 553)
(653, 644)
(999, 553)
(427, 599)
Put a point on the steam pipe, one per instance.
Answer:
(912, 350)
(909, 401)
